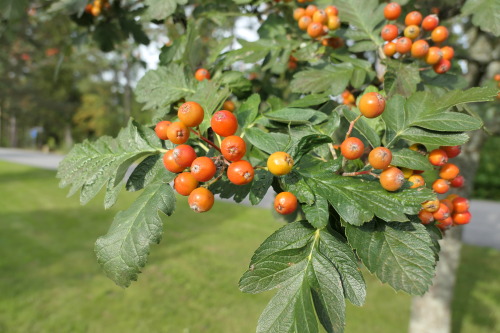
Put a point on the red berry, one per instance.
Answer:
(392, 179)
(389, 32)
(169, 162)
(224, 123)
(392, 11)
(438, 157)
(233, 148)
(202, 74)
(178, 133)
(460, 205)
(203, 169)
(380, 158)
(285, 203)
(458, 181)
(461, 218)
(161, 129)
(201, 200)
(184, 155)
(451, 151)
(442, 66)
(430, 22)
(442, 212)
(441, 186)
(352, 148)
(240, 172)
(185, 183)
(413, 18)
(191, 114)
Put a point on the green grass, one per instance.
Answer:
(50, 281)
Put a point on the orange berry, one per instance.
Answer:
(442, 66)
(460, 205)
(442, 212)
(229, 106)
(425, 216)
(448, 204)
(280, 163)
(434, 55)
(310, 10)
(380, 158)
(441, 186)
(333, 22)
(185, 183)
(419, 48)
(331, 11)
(320, 17)
(224, 123)
(315, 29)
(392, 11)
(202, 74)
(304, 22)
(352, 148)
(170, 163)
(412, 31)
(390, 49)
(184, 155)
(403, 45)
(178, 133)
(203, 169)
(461, 218)
(439, 34)
(430, 22)
(431, 205)
(371, 104)
(233, 148)
(413, 18)
(449, 171)
(201, 200)
(438, 157)
(161, 129)
(389, 32)
(285, 203)
(240, 172)
(191, 114)
(448, 52)
(417, 180)
(392, 179)
(298, 13)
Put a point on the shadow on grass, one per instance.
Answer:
(477, 292)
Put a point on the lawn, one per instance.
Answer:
(50, 281)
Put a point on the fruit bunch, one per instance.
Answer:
(208, 170)
(417, 30)
(96, 7)
(453, 210)
(318, 22)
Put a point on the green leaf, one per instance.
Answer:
(90, 166)
(268, 142)
(149, 171)
(363, 46)
(304, 263)
(394, 114)
(456, 97)
(260, 185)
(12, 9)
(362, 126)
(161, 9)
(306, 144)
(331, 79)
(428, 137)
(357, 200)
(401, 78)
(248, 111)
(485, 14)
(365, 16)
(123, 251)
(163, 86)
(236, 82)
(401, 254)
(309, 100)
(317, 214)
(297, 185)
(410, 159)
(228, 190)
(449, 121)
(296, 116)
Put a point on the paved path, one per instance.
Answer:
(484, 229)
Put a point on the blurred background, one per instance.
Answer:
(60, 85)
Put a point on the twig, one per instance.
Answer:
(206, 140)
(351, 126)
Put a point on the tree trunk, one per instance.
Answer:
(68, 138)
(13, 130)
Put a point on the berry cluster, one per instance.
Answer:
(318, 22)
(96, 7)
(453, 210)
(203, 169)
(348, 98)
(414, 42)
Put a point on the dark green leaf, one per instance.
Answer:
(123, 251)
(485, 14)
(428, 137)
(150, 170)
(248, 111)
(332, 79)
(261, 183)
(309, 100)
(268, 142)
(362, 126)
(317, 214)
(161, 9)
(449, 121)
(401, 78)
(410, 159)
(401, 254)
(296, 116)
(306, 144)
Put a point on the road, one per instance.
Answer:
(484, 229)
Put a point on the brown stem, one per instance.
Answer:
(206, 140)
(351, 126)
(358, 173)
(207, 184)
